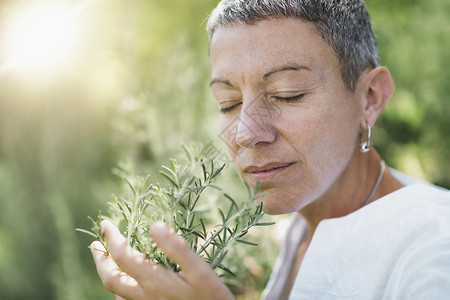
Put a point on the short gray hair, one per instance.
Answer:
(344, 24)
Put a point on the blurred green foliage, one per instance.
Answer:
(413, 131)
(136, 90)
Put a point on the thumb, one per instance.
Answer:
(176, 248)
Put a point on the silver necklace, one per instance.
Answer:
(380, 176)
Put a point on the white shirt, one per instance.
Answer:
(397, 247)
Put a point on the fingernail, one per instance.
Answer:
(103, 225)
(96, 245)
(159, 230)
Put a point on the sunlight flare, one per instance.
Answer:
(42, 38)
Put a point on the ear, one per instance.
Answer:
(377, 87)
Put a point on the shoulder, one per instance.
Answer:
(389, 249)
(401, 212)
(417, 212)
(420, 202)
(422, 267)
(422, 212)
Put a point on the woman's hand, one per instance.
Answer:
(139, 278)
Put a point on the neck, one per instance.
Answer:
(351, 190)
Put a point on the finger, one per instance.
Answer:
(120, 298)
(128, 259)
(196, 271)
(176, 248)
(151, 277)
(113, 279)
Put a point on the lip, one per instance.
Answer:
(267, 172)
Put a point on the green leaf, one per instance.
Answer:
(215, 187)
(247, 242)
(227, 270)
(265, 223)
(222, 215)
(87, 232)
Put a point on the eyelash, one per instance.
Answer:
(228, 109)
(289, 99)
(280, 99)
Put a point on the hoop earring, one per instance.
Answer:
(364, 146)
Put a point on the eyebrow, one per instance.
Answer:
(288, 67)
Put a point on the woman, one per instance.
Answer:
(299, 89)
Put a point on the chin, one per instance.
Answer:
(276, 202)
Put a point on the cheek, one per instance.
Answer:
(324, 130)
(325, 139)
(333, 137)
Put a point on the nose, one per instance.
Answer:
(256, 123)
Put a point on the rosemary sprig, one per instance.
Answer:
(181, 203)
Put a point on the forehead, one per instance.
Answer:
(266, 44)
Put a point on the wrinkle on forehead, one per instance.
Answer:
(241, 52)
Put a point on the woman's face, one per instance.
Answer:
(286, 115)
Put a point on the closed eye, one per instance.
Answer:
(228, 109)
(289, 99)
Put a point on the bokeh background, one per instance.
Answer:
(133, 86)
